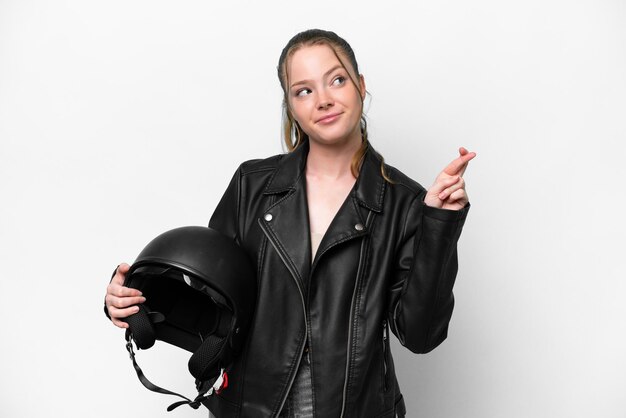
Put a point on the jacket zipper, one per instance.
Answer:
(306, 325)
(354, 292)
(385, 336)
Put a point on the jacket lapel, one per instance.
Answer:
(367, 194)
(286, 223)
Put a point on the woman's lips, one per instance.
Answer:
(328, 118)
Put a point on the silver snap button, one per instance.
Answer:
(268, 217)
(359, 227)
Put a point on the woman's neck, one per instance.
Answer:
(331, 162)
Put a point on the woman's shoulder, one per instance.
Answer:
(394, 178)
(402, 182)
(258, 165)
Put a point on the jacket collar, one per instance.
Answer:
(369, 189)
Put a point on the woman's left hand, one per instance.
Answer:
(448, 190)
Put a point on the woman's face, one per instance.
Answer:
(323, 99)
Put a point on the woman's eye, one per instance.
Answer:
(339, 80)
(303, 92)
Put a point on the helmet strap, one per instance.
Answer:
(195, 404)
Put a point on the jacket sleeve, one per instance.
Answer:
(421, 299)
(225, 218)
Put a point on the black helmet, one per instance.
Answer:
(200, 291)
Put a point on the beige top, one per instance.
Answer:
(316, 238)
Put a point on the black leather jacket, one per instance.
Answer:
(387, 260)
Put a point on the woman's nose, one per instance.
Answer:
(324, 100)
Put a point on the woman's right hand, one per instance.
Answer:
(120, 300)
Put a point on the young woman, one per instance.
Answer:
(346, 248)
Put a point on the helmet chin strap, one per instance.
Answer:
(205, 388)
(204, 362)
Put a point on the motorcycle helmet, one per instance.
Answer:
(200, 291)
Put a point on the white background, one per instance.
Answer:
(122, 119)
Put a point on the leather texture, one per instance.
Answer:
(386, 260)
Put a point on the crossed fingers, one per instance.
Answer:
(457, 166)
